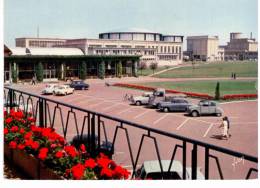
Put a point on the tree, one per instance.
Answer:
(39, 72)
(14, 74)
(83, 70)
(153, 66)
(142, 66)
(101, 70)
(119, 70)
(217, 92)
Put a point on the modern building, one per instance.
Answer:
(241, 48)
(64, 63)
(151, 46)
(203, 48)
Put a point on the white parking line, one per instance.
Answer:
(109, 107)
(96, 104)
(139, 115)
(207, 131)
(164, 116)
(185, 121)
(126, 110)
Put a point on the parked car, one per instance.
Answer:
(79, 85)
(152, 170)
(141, 100)
(63, 90)
(49, 88)
(174, 105)
(155, 100)
(205, 107)
(144, 99)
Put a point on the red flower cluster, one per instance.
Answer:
(191, 94)
(21, 133)
(239, 96)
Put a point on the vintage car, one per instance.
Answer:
(141, 100)
(79, 85)
(152, 170)
(63, 90)
(155, 100)
(144, 99)
(174, 105)
(49, 88)
(205, 107)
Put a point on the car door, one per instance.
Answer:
(174, 105)
(183, 105)
(212, 108)
(204, 107)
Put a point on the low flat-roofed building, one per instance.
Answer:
(241, 48)
(64, 63)
(203, 47)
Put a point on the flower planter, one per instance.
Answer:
(48, 174)
(8, 153)
(27, 163)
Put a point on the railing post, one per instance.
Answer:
(11, 99)
(194, 162)
(206, 163)
(93, 135)
(184, 160)
(41, 113)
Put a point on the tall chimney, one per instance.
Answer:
(251, 35)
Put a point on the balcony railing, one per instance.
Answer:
(46, 111)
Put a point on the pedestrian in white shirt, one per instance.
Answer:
(224, 124)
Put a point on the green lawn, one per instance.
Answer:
(219, 69)
(208, 87)
(149, 71)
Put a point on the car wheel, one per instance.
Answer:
(165, 109)
(138, 103)
(194, 114)
(218, 114)
(82, 88)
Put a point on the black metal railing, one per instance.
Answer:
(94, 121)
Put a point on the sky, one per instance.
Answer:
(88, 18)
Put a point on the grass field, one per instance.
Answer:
(208, 87)
(242, 69)
(149, 71)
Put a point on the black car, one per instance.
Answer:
(78, 84)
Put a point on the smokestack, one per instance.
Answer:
(251, 35)
(38, 32)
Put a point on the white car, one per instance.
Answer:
(49, 88)
(144, 99)
(63, 90)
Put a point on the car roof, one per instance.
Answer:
(154, 166)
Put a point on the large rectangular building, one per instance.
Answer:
(203, 48)
(151, 46)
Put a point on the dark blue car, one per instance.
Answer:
(79, 85)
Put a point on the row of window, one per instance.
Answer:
(44, 43)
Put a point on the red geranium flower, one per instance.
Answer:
(106, 172)
(5, 131)
(13, 144)
(43, 153)
(90, 163)
(71, 151)
(19, 114)
(78, 171)
(31, 119)
(28, 135)
(103, 162)
(14, 129)
(59, 154)
(21, 146)
(120, 172)
(83, 148)
(35, 145)
(8, 120)
(22, 130)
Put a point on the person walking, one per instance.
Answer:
(225, 125)
(33, 80)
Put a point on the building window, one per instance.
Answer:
(176, 50)
(164, 49)
(169, 49)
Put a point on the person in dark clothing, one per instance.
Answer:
(235, 76)
(33, 80)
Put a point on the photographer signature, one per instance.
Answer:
(237, 161)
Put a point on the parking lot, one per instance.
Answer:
(110, 100)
